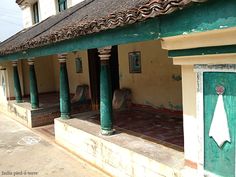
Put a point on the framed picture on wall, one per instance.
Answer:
(135, 62)
(78, 64)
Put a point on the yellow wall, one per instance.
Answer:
(189, 109)
(56, 72)
(47, 73)
(77, 78)
(43, 68)
(189, 90)
(44, 74)
(9, 70)
(155, 85)
(9, 77)
(74, 78)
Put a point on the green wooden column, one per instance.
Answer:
(34, 99)
(17, 87)
(65, 104)
(106, 113)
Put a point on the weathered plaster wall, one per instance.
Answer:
(191, 127)
(10, 83)
(56, 72)
(47, 8)
(77, 78)
(44, 73)
(9, 77)
(203, 39)
(189, 108)
(228, 58)
(27, 18)
(158, 84)
(74, 78)
(47, 72)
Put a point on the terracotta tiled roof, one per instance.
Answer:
(90, 16)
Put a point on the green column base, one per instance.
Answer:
(65, 116)
(108, 132)
(34, 106)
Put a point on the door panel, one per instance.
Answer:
(114, 65)
(94, 76)
(220, 161)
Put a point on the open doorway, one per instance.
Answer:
(3, 88)
(94, 74)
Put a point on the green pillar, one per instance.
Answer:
(17, 87)
(34, 99)
(106, 112)
(65, 105)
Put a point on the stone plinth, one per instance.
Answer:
(122, 154)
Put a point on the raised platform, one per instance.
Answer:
(159, 125)
(121, 155)
(48, 110)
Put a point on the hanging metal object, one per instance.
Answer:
(220, 90)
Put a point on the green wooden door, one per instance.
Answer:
(220, 161)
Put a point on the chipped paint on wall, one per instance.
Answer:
(154, 86)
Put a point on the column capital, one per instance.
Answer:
(104, 53)
(14, 63)
(62, 57)
(30, 61)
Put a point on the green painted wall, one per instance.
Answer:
(203, 51)
(220, 161)
(211, 15)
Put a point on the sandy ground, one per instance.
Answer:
(26, 154)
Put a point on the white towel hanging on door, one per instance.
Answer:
(219, 129)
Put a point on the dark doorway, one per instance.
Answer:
(94, 74)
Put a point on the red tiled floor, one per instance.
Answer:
(46, 99)
(160, 125)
